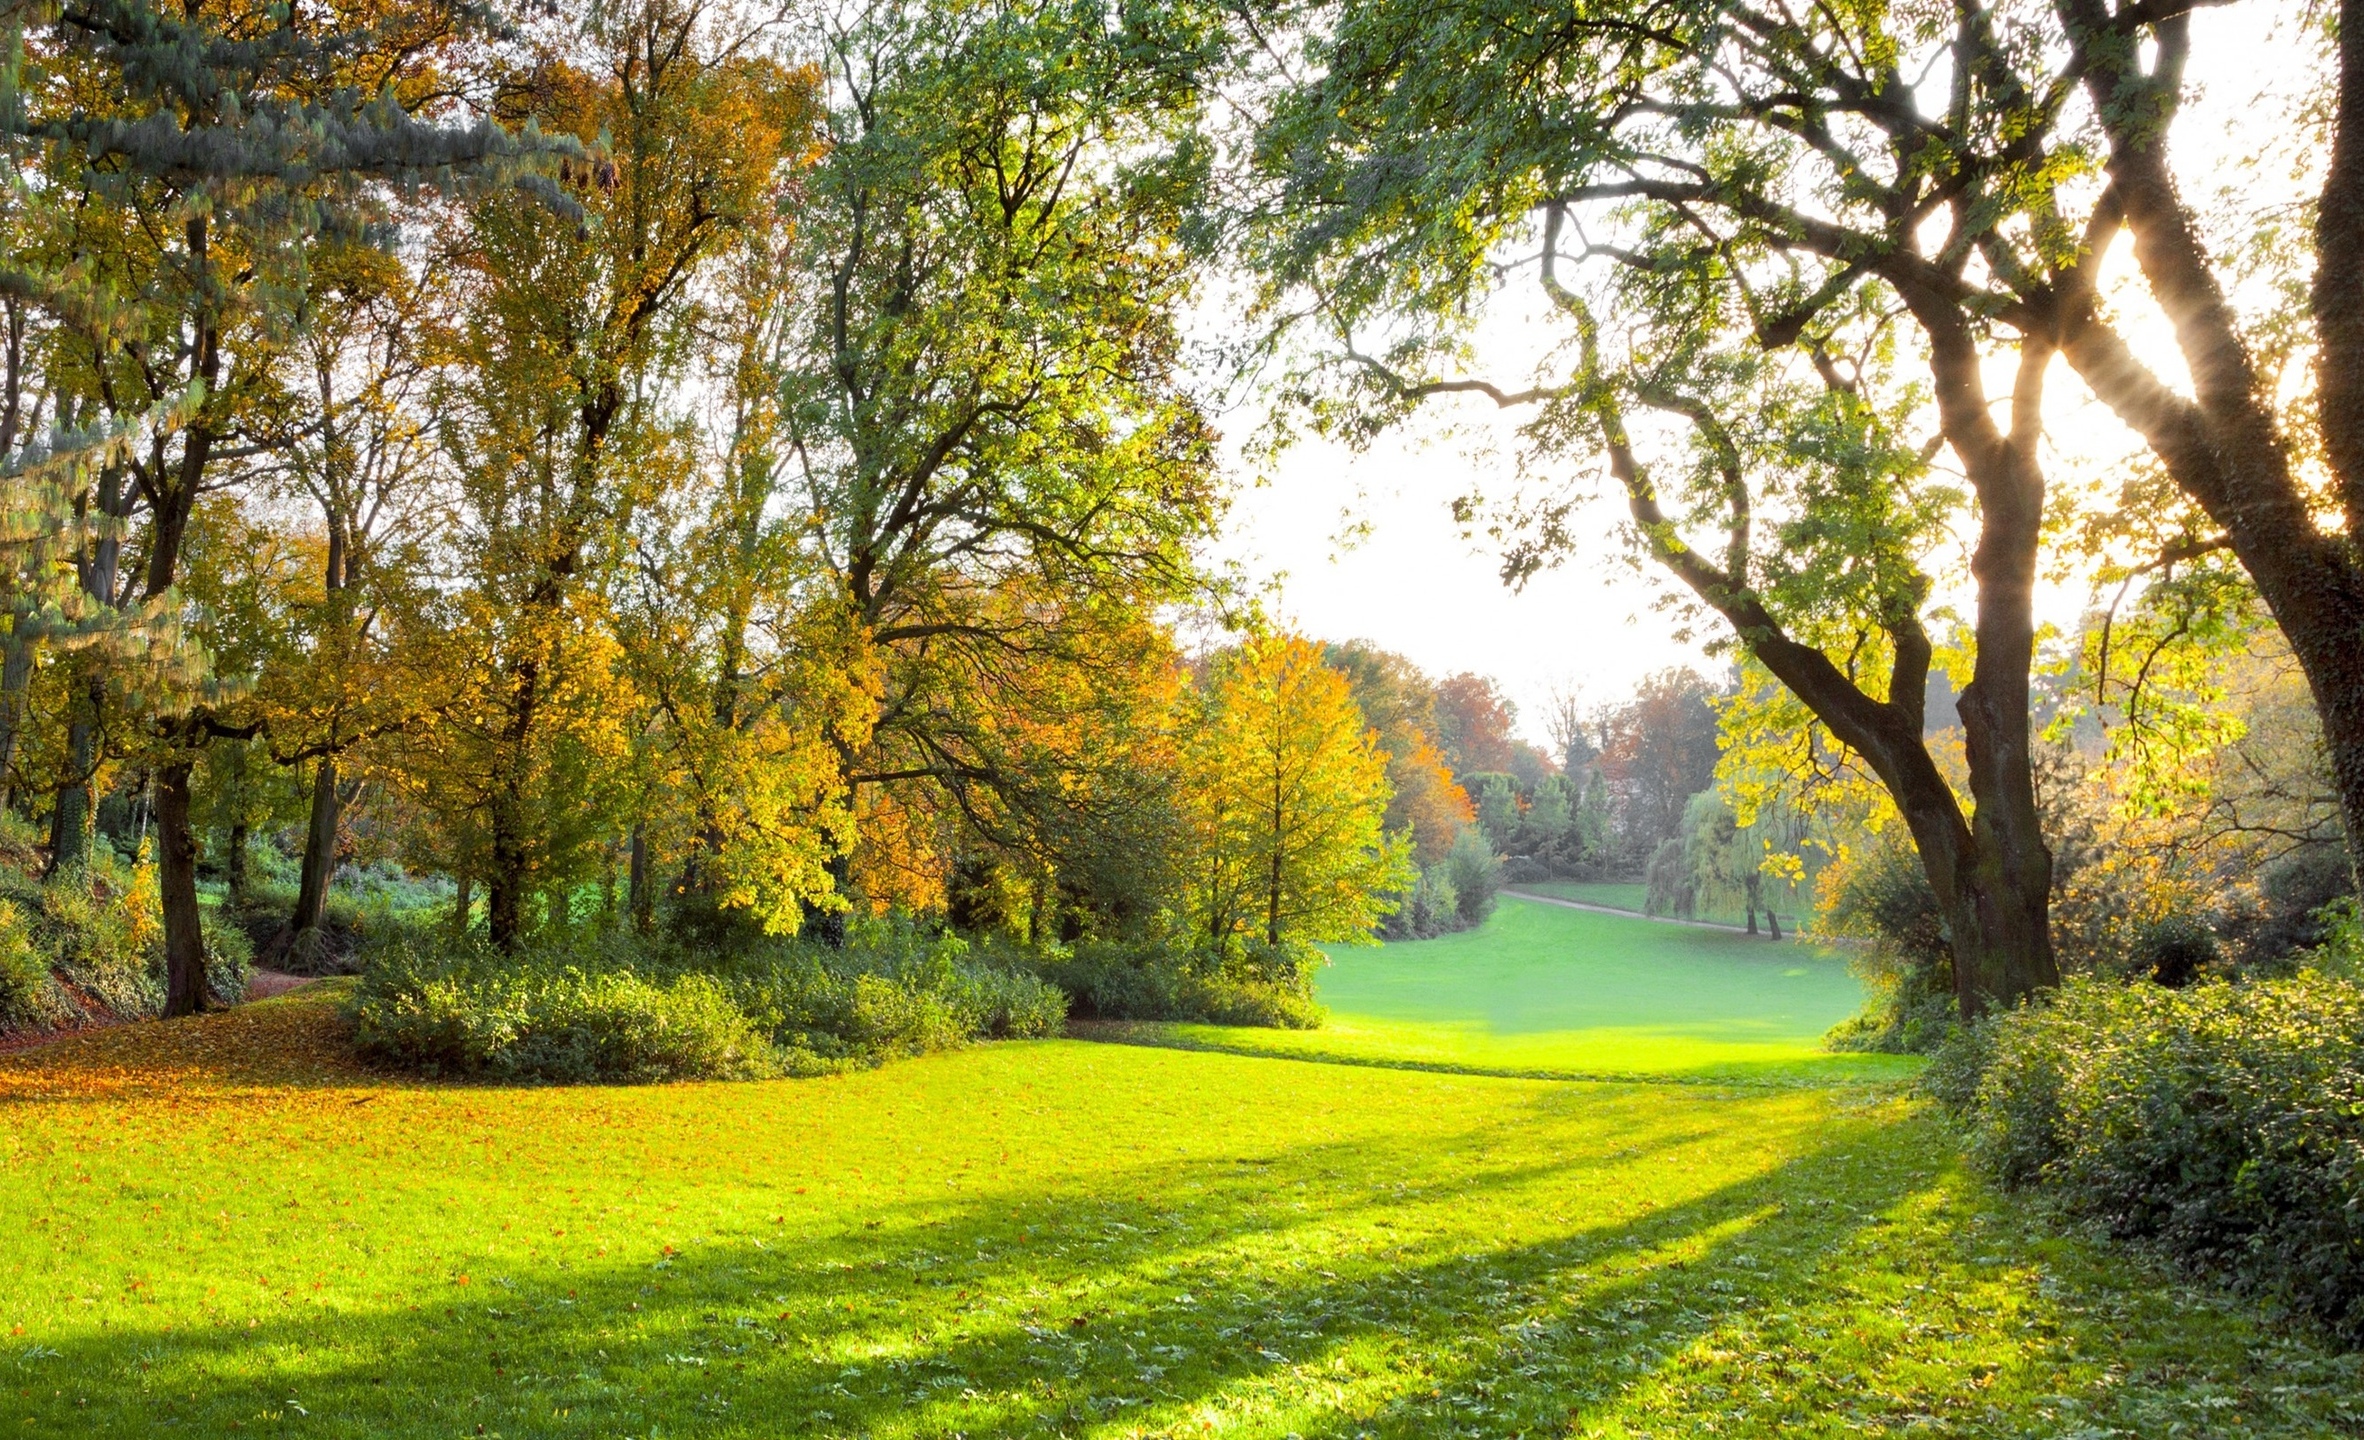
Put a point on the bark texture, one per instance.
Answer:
(184, 943)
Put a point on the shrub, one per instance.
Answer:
(1168, 981)
(103, 929)
(1672, 888)
(2296, 890)
(1958, 1063)
(614, 1006)
(29, 998)
(2175, 950)
(476, 1012)
(229, 957)
(1475, 873)
(1524, 870)
(1878, 896)
(890, 990)
(2224, 1122)
(1430, 907)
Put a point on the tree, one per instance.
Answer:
(208, 148)
(1497, 808)
(1750, 235)
(1543, 829)
(1399, 702)
(983, 396)
(1726, 860)
(1570, 724)
(552, 420)
(1658, 749)
(349, 423)
(1473, 722)
(1287, 789)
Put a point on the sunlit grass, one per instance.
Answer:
(1616, 894)
(1634, 896)
(1547, 991)
(220, 1227)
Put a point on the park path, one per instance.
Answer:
(263, 984)
(1631, 914)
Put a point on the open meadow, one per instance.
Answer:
(926, 721)
(1545, 990)
(225, 1226)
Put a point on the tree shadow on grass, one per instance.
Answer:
(1324, 1289)
(1819, 1072)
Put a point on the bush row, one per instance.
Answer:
(619, 1007)
(2224, 1122)
(1169, 981)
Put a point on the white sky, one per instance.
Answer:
(1411, 583)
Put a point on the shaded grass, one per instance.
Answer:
(223, 1227)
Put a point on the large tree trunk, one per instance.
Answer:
(2004, 894)
(639, 892)
(16, 675)
(504, 905)
(176, 843)
(2225, 446)
(70, 815)
(320, 850)
(184, 943)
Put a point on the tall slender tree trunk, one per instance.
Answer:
(463, 909)
(176, 843)
(70, 819)
(639, 897)
(504, 906)
(236, 780)
(505, 886)
(184, 943)
(320, 830)
(234, 871)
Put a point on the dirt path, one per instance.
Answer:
(262, 984)
(1628, 914)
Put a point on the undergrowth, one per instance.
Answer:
(2223, 1123)
(612, 1005)
(88, 945)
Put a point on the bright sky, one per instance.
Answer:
(1410, 582)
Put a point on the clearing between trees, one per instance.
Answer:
(228, 1226)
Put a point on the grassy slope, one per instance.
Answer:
(218, 1227)
(1628, 895)
(1545, 990)
(1617, 895)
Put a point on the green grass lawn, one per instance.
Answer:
(1545, 990)
(222, 1227)
(1616, 894)
(1634, 896)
